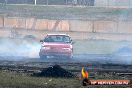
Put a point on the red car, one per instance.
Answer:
(59, 45)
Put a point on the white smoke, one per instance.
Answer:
(19, 48)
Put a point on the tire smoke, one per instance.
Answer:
(19, 48)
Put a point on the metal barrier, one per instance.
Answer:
(98, 3)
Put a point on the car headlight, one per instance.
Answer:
(67, 49)
(46, 47)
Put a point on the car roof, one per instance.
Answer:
(59, 34)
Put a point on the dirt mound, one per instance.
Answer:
(55, 71)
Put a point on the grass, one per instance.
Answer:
(64, 12)
(17, 80)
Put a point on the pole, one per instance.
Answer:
(5, 2)
(108, 3)
(129, 3)
(66, 2)
(47, 2)
(35, 1)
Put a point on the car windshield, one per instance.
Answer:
(57, 38)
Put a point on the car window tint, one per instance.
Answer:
(57, 38)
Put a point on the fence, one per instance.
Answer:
(98, 3)
(97, 26)
(50, 2)
(114, 3)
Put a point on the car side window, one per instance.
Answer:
(66, 39)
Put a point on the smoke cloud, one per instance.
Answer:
(118, 52)
(19, 48)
